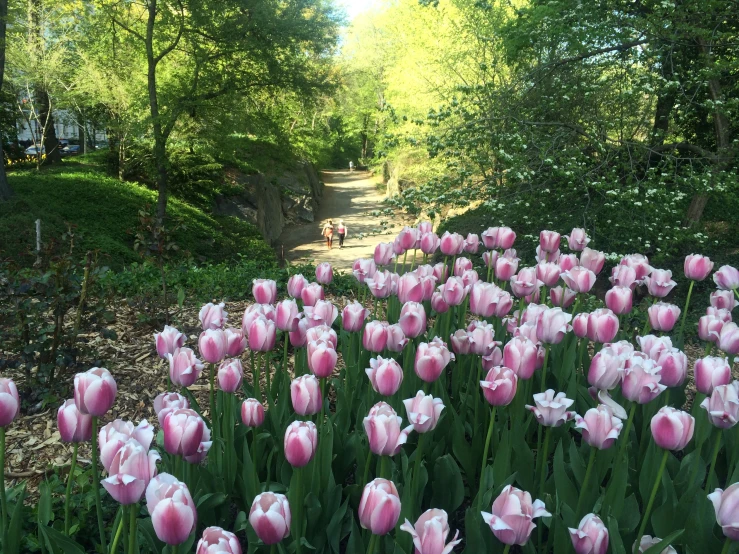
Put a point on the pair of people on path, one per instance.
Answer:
(328, 233)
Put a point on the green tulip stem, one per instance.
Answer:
(118, 533)
(413, 261)
(372, 544)
(385, 467)
(476, 396)
(374, 309)
(96, 483)
(419, 458)
(520, 310)
(70, 479)
(132, 529)
(267, 383)
(299, 501)
(490, 274)
(3, 500)
(736, 293)
(174, 549)
(709, 348)
(647, 325)
(405, 256)
(443, 270)
(544, 368)
(544, 454)
(257, 378)
(652, 496)
(585, 481)
(507, 549)
(727, 546)
(685, 311)
(486, 450)
(714, 457)
(273, 549)
(284, 354)
(627, 430)
(366, 469)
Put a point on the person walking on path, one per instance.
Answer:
(328, 234)
(342, 233)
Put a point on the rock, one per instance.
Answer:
(288, 204)
(235, 206)
(392, 187)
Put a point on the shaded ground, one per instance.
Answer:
(353, 197)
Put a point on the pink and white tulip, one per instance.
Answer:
(218, 541)
(552, 325)
(169, 340)
(295, 285)
(212, 345)
(130, 471)
(659, 282)
(697, 267)
(115, 434)
(499, 386)
(592, 260)
(168, 402)
(184, 431)
(579, 279)
(353, 316)
(252, 412)
(172, 510)
(590, 537)
(213, 316)
(262, 335)
(600, 428)
(430, 533)
(301, 441)
(324, 273)
(374, 338)
(723, 405)
(287, 315)
(512, 516)
(305, 394)
(230, 375)
(235, 342)
(711, 372)
(74, 426)
(562, 297)
(506, 268)
(386, 375)
(384, 253)
(550, 410)
(423, 411)
(577, 239)
(322, 358)
(451, 244)
(270, 517)
(379, 507)
(641, 379)
(723, 299)
(727, 278)
(396, 339)
(623, 276)
(264, 291)
(672, 429)
(312, 293)
(520, 354)
(10, 404)
(725, 504)
(94, 393)
(619, 299)
(364, 269)
(382, 426)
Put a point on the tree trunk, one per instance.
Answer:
(5, 191)
(160, 141)
(81, 135)
(695, 210)
(51, 143)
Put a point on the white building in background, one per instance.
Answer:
(65, 124)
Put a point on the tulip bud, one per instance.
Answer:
(602, 326)
(640, 379)
(451, 244)
(262, 335)
(168, 341)
(364, 269)
(549, 241)
(525, 282)
(548, 273)
(184, 431)
(396, 339)
(674, 364)
(382, 426)
(663, 316)
(264, 291)
(74, 426)
(298, 338)
(567, 261)
(647, 542)
(710, 372)
(212, 344)
(235, 342)
(384, 253)
(270, 517)
(600, 428)
(640, 264)
(168, 402)
(301, 441)
(423, 411)
(672, 429)
(592, 260)
(374, 338)
(311, 293)
(577, 239)
(590, 537)
(697, 267)
(305, 393)
(499, 386)
(172, 510)
(252, 412)
(380, 285)
(727, 278)
(430, 533)
(512, 516)
(619, 299)
(131, 469)
(10, 404)
(727, 516)
(295, 285)
(579, 279)
(386, 375)
(623, 276)
(412, 319)
(723, 405)
(255, 311)
(324, 273)
(212, 316)
(287, 315)
(562, 297)
(379, 508)
(218, 541)
(659, 282)
(552, 325)
(230, 374)
(728, 339)
(580, 324)
(505, 268)
(407, 238)
(322, 358)
(431, 359)
(353, 316)
(551, 410)
(94, 393)
(723, 300)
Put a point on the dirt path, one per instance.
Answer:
(353, 197)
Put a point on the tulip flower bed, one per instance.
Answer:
(447, 408)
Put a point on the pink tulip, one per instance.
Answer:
(461, 342)
(429, 243)
(607, 365)
(73, 425)
(602, 325)
(461, 265)
(230, 375)
(580, 324)
(172, 510)
(379, 508)
(262, 335)
(423, 411)
(322, 312)
(653, 346)
(534, 297)
(723, 314)
(525, 282)
(551, 410)
(590, 537)
(168, 402)
(725, 504)
(431, 359)
(544, 256)
(322, 358)
(697, 267)
(374, 338)
(619, 299)
(505, 268)
(255, 311)
(430, 533)
(451, 244)
(396, 339)
(115, 434)
(490, 258)
(441, 272)
(424, 270)
(270, 517)
(380, 285)
(412, 319)
(235, 342)
(453, 291)
(353, 316)
(425, 227)
(647, 541)
(723, 299)
(384, 253)
(364, 269)
(213, 316)
(728, 339)
(592, 260)
(674, 364)
(640, 265)
(520, 354)
(549, 241)
(10, 404)
(482, 337)
(472, 243)
(600, 428)
(184, 430)
(482, 296)
(408, 237)
(577, 239)
(641, 379)
(382, 426)
(469, 278)
(252, 412)
(409, 288)
(709, 328)
(499, 386)
(428, 284)
(723, 405)
(506, 238)
(311, 293)
(323, 333)
(94, 393)
(212, 345)
(552, 325)
(264, 291)
(324, 273)
(218, 541)
(659, 282)
(489, 238)
(727, 278)
(301, 441)
(548, 273)
(567, 262)
(672, 429)
(711, 372)
(168, 341)
(132, 468)
(305, 394)
(512, 516)
(492, 359)
(287, 315)
(295, 285)
(438, 304)
(579, 279)
(298, 338)
(562, 297)
(623, 276)
(386, 375)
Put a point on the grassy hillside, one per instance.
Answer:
(104, 214)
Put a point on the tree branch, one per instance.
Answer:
(129, 30)
(176, 41)
(596, 52)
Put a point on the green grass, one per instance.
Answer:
(104, 214)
